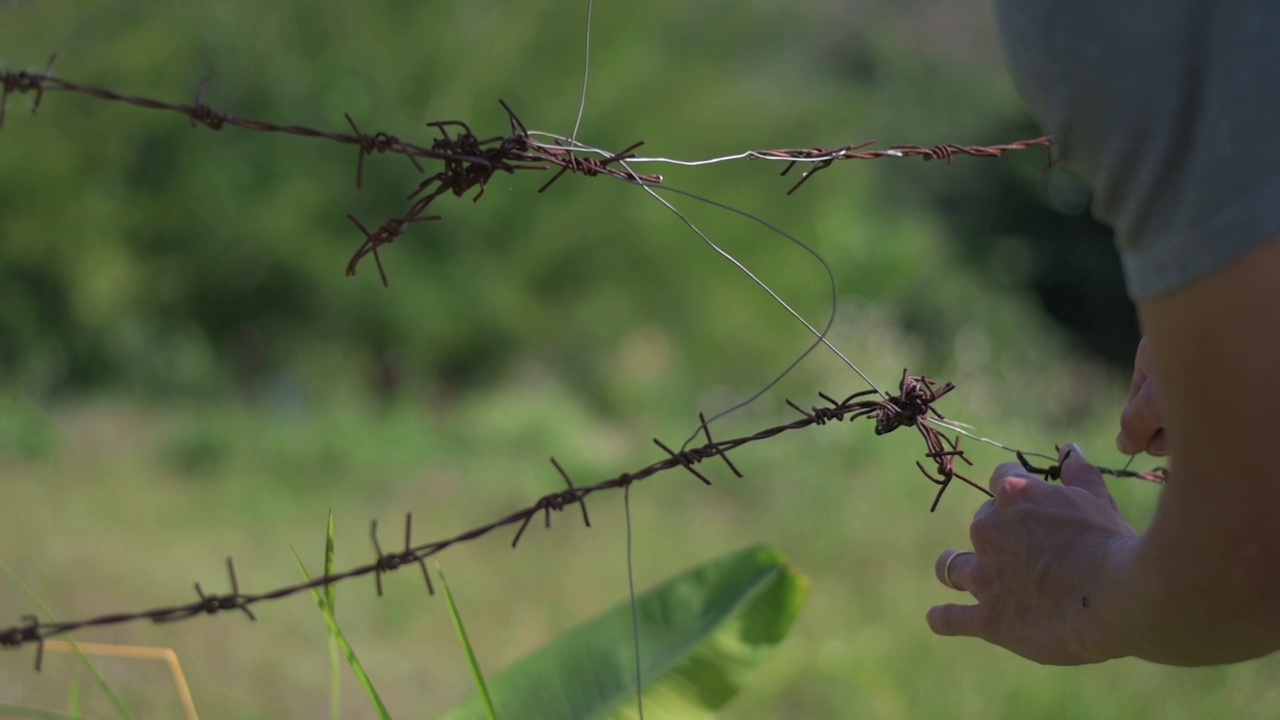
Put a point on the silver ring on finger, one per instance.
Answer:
(946, 569)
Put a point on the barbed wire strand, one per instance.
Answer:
(913, 403)
(469, 163)
(821, 336)
(465, 171)
(959, 428)
(823, 158)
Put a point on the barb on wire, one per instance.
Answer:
(24, 82)
(914, 401)
(909, 408)
(1054, 471)
(468, 161)
(822, 158)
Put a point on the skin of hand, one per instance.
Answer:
(1200, 586)
(1142, 422)
(1038, 548)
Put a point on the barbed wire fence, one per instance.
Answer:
(467, 163)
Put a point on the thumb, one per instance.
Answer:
(1141, 421)
(1078, 472)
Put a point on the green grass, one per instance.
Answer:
(477, 675)
(86, 663)
(325, 599)
(110, 524)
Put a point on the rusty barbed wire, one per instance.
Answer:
(469, 162)
(822, 158)
(911, 407)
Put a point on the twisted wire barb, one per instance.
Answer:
(822, 158)
(470, 162)
(913, 404)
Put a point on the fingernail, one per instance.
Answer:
(1071, 450)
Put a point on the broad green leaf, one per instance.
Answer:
(702, 634)
(335, 632)
(84, 659)
(476, 674)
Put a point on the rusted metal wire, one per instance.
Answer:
(909, 408)
(469, 163)
(824, 158)
(818, 159)
(1054, 472)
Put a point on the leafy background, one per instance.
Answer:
(185, 372)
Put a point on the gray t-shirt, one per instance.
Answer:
(1168, 109)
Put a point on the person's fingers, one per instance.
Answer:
(954, 569)
(1159, 445)
(1008, 481)
(1140, 422)
(953, 619)
(1141, 361)
(1078, 472)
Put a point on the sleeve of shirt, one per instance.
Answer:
(1168, 110)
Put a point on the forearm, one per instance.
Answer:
(1202, 584)
(1171, 598)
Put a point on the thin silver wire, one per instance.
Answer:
(821, 336)
(747, 155)
(752, 155)
(822, 339)
(586, 72)
(626, 491)
(635, 606)
(960, 429)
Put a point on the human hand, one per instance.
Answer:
(1037, 549)
(1142, 422)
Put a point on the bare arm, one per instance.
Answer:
(1058, 576)
(1202, 585)
(1165, 109)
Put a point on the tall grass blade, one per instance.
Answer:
(481, 688)
(335, 632)
(84, 659)
(73, 696)
(335, 651)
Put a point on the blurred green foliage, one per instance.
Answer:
(138, 253)
(26, 432)
(196, 279)
(703, 634)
